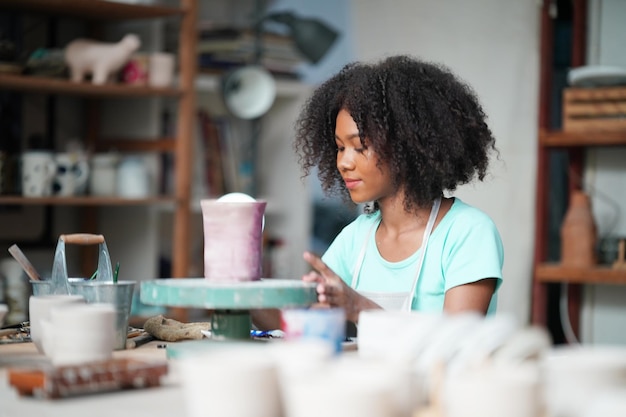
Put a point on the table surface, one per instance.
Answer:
(164, 400)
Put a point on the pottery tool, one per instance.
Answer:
(142, 339)
(19, 256)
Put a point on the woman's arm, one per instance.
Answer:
(474, 296)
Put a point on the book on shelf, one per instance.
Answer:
(228, 154)
(212, 154)
(218, 38)
(208, 64)
(225, 48)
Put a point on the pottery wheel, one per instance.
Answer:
(232, 301)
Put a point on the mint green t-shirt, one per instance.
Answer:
(465, 247)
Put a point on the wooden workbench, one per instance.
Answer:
(165, 400)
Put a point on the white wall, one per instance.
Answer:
(493, 45)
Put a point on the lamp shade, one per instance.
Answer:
(312, 37)
(248, 92)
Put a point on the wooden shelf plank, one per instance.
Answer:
(91, 9)
(601, 274)
(136, 145)
(63, 86)
(570, 139)
(86, 201)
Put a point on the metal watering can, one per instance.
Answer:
(102, 289)
(59, 282)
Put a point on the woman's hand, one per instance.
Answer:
(332, 291)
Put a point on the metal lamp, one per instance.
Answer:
(311, 36)
(249, 91)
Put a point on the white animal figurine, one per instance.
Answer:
(100, 59)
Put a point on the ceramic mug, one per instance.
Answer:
(39, 307)
(79, 333)
(132, 178)
(161, 73)
(324, 324)
(72, 172)
(103, 178)
(38, 171)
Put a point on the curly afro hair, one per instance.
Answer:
(424, 123)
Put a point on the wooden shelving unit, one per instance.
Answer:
(180, 145)
(574, 143)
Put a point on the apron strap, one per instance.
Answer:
(427, 232)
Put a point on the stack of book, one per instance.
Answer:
(222, 49)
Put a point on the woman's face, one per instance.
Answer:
(358, 164)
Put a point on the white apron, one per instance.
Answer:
(401, 300)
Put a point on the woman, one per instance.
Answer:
(397, 135)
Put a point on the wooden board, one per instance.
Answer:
(67, 381)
